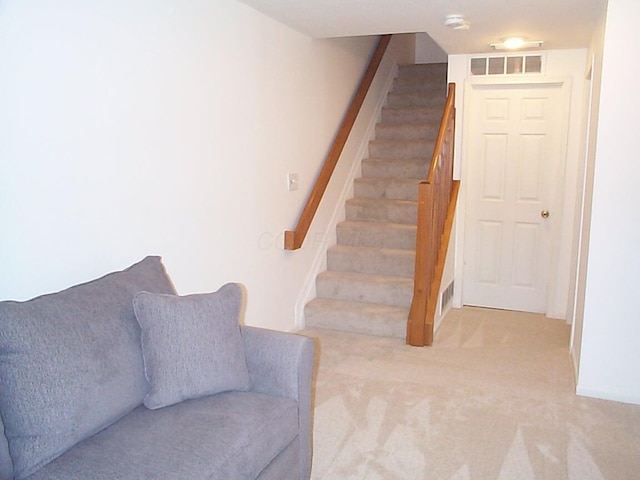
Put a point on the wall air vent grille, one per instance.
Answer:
(506, 65)
(446, 297)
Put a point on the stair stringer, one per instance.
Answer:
(319, 263)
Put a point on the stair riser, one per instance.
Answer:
(367, 323)
(434, 86)
(407, 131)
(398, 264)
(431, 74)
(395, 168)
(400, 150)
(389, 188)
(397, 293)
(413, 99)
(389, 212)
(423, 70)
(412, 114)
(372, 235)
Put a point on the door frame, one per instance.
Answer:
(556, 269)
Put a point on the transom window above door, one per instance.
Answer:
(506, 65)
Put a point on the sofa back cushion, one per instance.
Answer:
(71, 363)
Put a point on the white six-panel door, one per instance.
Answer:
(514, 157)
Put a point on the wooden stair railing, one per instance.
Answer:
(437, 198)
(293, 239)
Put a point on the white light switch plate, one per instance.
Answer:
(292, 181)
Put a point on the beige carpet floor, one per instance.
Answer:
(492, 399)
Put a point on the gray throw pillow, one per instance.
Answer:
(71, 363)
(192, 346)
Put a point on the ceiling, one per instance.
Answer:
(559, 23)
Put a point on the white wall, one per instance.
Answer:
(584, 189)
(610, 353)
(428, 51)
(133, 127)
(563, 65)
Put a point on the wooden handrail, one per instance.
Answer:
(293, 239)
(437, 198)
(448, 115)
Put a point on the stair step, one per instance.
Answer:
(412, 114)
(382, 210)
(368, 285)
(434, 85)
(362, 287)
(389, 188)
(377, 234)
(414, 99)
(375, 261)
(423, 70)
(356, 317)
(382, 168)
(407, 131)
(395, 149)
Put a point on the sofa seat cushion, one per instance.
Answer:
(230, 436)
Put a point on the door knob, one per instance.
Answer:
(544, 213)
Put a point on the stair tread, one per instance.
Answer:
(377, 234)
(413, 159)
(401, 149)
(372, 225)
(394, 141)
(397, 160)
(364, 248)
(433, 81)
(388, 179)
(391, 115)
(371, 260)
(348, 305)
(380, 201)
(424, 132)
(398, 188)
(382, 210)
(434, 89)
(365, 287)
(415, 123)
(413, 107)
(365, 277)
(430, 80)
(439, 68)
(424, 94)
(357, 317)
(392, 225)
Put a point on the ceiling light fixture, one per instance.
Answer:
(457, 22)
(515, 43)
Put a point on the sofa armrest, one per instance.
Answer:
(282, 364)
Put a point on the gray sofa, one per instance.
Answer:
(120, 378)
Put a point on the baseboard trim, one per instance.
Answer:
(607, 395)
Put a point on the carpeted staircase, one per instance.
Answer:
(368, 285)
